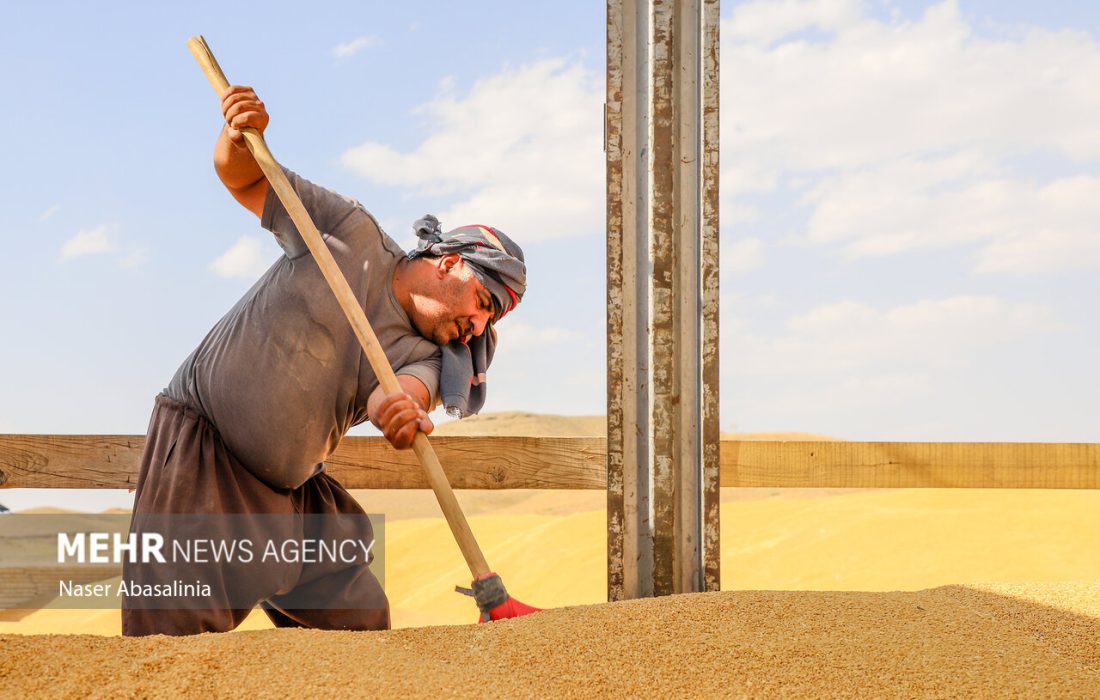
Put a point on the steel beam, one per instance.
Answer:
(662, 209)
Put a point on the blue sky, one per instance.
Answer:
(910, 197)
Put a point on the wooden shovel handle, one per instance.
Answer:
(354, 312)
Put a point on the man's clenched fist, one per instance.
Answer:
(400, 417)
(242, 108)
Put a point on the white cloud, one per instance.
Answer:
(914, 134)
(878, 91)
(547, 369)
(852, 336)
(247, 258)
(350, 48)
(912, 371)
(524, 337)
(1025, 227)
(735, 214)
(764, 22)
(89, 242)
(1056, 227)
(874, 388)
(740, 255)
(135, 258)
(49, 212)
(521, 150)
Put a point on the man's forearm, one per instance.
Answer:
(234, 164)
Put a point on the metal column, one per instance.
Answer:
(662, 297)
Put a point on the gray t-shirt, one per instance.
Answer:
(282, 375)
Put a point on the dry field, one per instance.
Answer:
(871, 592)
(1006, 641)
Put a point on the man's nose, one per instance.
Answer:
(480, 321)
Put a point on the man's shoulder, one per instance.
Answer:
(377, 245)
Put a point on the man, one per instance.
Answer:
(248, 420)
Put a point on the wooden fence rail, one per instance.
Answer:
(111, 461)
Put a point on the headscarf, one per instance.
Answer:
(497, 262)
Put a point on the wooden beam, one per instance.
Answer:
(111, 461)
(476, 463)
(988, 465)
(70, 461)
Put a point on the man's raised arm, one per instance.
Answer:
(233, 162)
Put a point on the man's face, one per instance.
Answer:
(457, 305)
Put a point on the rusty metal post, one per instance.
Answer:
(662, 297)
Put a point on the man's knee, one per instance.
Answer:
(138, 622)
(366, 620)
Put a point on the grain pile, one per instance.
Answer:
(1036, 641)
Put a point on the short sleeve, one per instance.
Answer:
(427, 371)
(329, 211)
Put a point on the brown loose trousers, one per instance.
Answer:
(186, 469)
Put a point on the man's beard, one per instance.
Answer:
(445, 330)
(441, 329)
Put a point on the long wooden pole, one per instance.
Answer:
(354, 312)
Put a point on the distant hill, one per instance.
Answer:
(52, 510)
(528, 424)
(547, 425)
(48, 510)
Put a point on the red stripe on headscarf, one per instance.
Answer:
(515, 301)
(487, 231)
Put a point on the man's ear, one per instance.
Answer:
(447, 263)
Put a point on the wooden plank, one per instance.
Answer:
(111, 461)
(911, 465)
(476, 463)
(70, 461)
